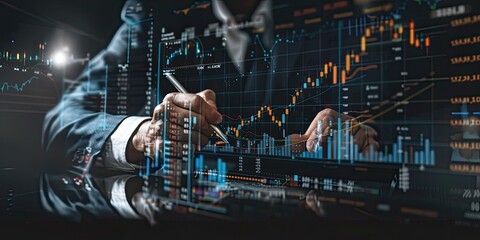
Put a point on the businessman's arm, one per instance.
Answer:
(173, 111)
(80, 120)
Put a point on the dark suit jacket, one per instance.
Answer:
(80, 119)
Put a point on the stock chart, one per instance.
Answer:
(403, 73)
(407, 69)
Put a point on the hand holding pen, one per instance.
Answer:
(168, 123)
(209, 97)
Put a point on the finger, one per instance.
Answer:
(192, 137)
(313, 124)
(210, 97)
(375, 144)
(158, 112)
(369, 131)
(360, 139)
(326, 125)
(181, 116)
(154, 148)
(197, 104)
(298, 143)
(178, 133)
(312, 142)
(325, 116)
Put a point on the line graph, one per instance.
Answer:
(6, 86)
(382, 69)
(330, 71)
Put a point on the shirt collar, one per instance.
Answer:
(236, 39)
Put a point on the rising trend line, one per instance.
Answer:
(403, 102)
(360, 69)
(18, 87)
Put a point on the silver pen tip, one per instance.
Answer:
(220, 133)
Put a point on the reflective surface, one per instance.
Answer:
(118, 204)
(370, 193)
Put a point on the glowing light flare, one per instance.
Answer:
(60, 59)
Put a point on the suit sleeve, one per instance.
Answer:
(81, 119)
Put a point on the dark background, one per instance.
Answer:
(85, 26)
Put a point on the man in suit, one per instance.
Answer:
(121, 143)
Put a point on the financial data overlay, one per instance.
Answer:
(406, 69)
(403, 73)
(26, 77)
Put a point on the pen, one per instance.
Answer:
(181, 89)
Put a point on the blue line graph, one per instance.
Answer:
(183, 51)
(17, 87)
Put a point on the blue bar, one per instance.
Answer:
(339, 139)
(352, 153)
(272, 146)
(295, 178)
(399, 149)
(251, 118)
(147, 171)
(334, 146)
(221, 171)
(394, 153)
(224, 172)
(304, 85)
(283, 118)
(200, 166)
(288, 147)
(329, 148)
(261, 147)
(317, 83)
(460, 113)
(422, 157)
(265, 143)
(347, 138)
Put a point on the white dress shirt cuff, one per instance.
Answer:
(119, 141)
(115, 187)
